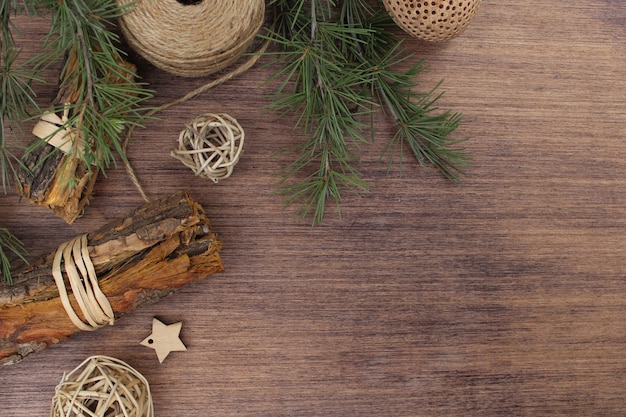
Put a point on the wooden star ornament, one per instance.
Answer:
(164, 339)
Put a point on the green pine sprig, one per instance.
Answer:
(17, 97)
(338, 63)
(9, 244)
(108, 99)
(17, 100)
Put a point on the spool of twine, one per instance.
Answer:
(102, 386)
(191, 38)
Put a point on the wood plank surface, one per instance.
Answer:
(504, 295)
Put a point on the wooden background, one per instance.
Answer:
(501, 296)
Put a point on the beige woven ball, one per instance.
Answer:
(210, 145)
(434, 20)
(102, 386)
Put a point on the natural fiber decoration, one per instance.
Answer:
(210, 145)
(102, 386)
(190, 38)
(93, 304)
(54, 130)
(433, 20)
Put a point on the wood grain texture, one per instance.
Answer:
(501, 296)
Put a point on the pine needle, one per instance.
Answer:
(9, 244)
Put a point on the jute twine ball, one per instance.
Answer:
(102, 386)
(191, 38)
(433, 20)
(210, 145)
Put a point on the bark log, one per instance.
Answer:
(139, 258)
(52, 178)
(46, 182)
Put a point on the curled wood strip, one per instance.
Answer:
(93, 304)
(54, 130)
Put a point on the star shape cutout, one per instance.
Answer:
(164, 339)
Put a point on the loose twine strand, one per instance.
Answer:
(102, 386)
(83, 281)
(54, 129)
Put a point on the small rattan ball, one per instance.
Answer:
(102, 386)
(433, 20)
(211, 145)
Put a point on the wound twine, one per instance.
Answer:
(102, 386)
(81, 275)
(191, 38)
(210, 145)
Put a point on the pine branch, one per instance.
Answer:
(327, 92)
(337, 66)
(107, 97)
(17, 97)
(9, 244)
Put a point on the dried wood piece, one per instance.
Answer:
(138, 259)
(47, 182)
(51, 176)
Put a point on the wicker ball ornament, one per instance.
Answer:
(211, 145)
(434, 20)
(102, 386)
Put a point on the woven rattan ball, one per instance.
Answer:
(191, 38)
(102, 386)
(210, 145)
(434, 20)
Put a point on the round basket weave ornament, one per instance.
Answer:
(102, 386)
(211, 145)
(433, 20)
(191, 38)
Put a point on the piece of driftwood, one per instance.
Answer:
(138, 259)
(52, 176)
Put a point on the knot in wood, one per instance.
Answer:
(210, 145)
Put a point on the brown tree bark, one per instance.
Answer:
(51, 177)
(138, 259)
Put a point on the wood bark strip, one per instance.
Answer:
(139, 258)
(51, 178)
(46, 182)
